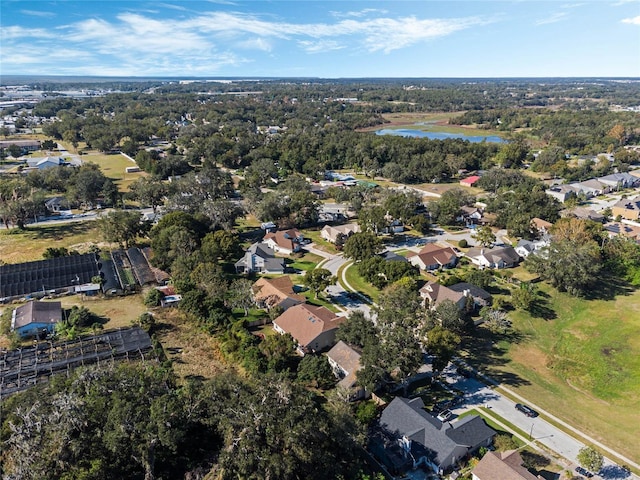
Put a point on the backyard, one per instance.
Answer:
(578, 358)
(27, 245)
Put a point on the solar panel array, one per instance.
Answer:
(44, 275)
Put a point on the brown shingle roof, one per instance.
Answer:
(438, 293)
(432, 254)
(502, 466)
(274, 290)
(284, 238)
(305, 322)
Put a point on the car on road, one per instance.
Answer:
(445, 415)
(528, 411)
(584, 471)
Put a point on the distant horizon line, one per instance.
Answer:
(254, 77)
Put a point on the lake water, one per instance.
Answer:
(404, 132)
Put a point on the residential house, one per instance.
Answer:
(345, 362)
(540, 226)
(502, 466)
(44, 163)
(593, 187)
(259, 258)
(275, 292)
(524, 248)
(407, 437)
(36, 318)
(618, 228)
(469, 181)
(56, 204)
(481, 298)
(395, 225)
(434, 257)
(496, 257)
(620, 180)
(313, 328)
(470, 215)
(284, 241)
(330, 233)
(628, 208)
(26, 145)
(433, 294)
(583, 214)
(562, 192)
(389, 256)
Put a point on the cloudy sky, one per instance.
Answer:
(261, 38)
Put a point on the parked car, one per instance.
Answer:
(528, 411)
(584, 471)
(445, 415)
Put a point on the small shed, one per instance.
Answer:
(36, 318)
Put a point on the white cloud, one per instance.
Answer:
(256, 43)
(358, 13)
(142, 43)
(553, 18)
(632, 20)
(320, 46)
(38, 13)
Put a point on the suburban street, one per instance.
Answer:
(478, 394)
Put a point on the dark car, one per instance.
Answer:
(584, 471)
(528, 411)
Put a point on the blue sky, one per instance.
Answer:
(420, 38)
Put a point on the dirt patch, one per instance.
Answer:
(193, 352)
(531, 357)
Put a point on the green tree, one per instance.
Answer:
(446, 209)
(314, 371)
(121, 226)
(153, 298)
(484, 236)
(148, 192)
(443, 345)
(591, 459)
(524, 297)
(568, 265)
(319, 279)
(357, 330)
(362, 245)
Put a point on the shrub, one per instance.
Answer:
(153, 297)
(463, 243)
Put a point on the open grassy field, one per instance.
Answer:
(578, 358)
(28, 245)
(120, 311)
(113, 166)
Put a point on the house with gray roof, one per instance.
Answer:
(260, 258)
(496, 257)
(481, 298)
(408, 436)
(620, 180)
(345, 362)
(36, 318)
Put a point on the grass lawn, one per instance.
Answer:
(306, 262)
(27, 245)
(320, 243)
(120, 311)
(113, 166)
(359, 284)
(577, 358)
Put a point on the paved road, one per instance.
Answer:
(348, 301)
(478, 394)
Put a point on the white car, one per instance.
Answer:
(445, 415)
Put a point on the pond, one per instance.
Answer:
(405, 132)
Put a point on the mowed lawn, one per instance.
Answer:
(581, 362)
(28, 245)
(114, 166)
